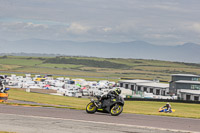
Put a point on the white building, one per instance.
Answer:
(154, 87)
(146, 86)
(189, 95)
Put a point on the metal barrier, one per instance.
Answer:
(160, 100)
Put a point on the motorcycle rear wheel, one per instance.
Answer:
(91, 108)
(116, 111)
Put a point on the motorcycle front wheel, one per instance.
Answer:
(116, 110)
(91, 108)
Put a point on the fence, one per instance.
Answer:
(160, 100)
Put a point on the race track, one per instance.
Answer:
(43, 119)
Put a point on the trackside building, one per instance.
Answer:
(184, 81)
(185, 86)
(189, 95)
(145, 86)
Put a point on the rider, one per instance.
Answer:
(2, 86)
(113, 93)
(168, 106)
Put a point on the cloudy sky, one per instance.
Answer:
(161, 22)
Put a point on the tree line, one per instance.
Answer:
(86, 62)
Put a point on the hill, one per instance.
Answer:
(96, 68)
(188, 52)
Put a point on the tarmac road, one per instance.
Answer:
(48, 120)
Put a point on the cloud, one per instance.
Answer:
(107, 29)
(160, 22)
(77, 28)
(194, 27)
(20, 26)
(35, 26)
(170, 8)
(126, 26)
(161, 36)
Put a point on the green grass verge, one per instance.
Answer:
(138, 107)
(22, 62)
(48, 99)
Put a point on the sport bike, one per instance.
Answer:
(113, 105)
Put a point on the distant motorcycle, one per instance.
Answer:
(165, 110)
(3, 94)
(112, 105)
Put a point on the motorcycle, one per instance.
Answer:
(112, 105)
(161, 109)
(4, 95)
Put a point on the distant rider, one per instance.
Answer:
(168, 107)
(113, 93)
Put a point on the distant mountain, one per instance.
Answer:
(188, 52)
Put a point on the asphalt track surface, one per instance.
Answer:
(22, 119)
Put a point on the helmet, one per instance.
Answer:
(117, 91)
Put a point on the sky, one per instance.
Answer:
(160, 22)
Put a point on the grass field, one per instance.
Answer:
(135, 68)
(137, 107)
